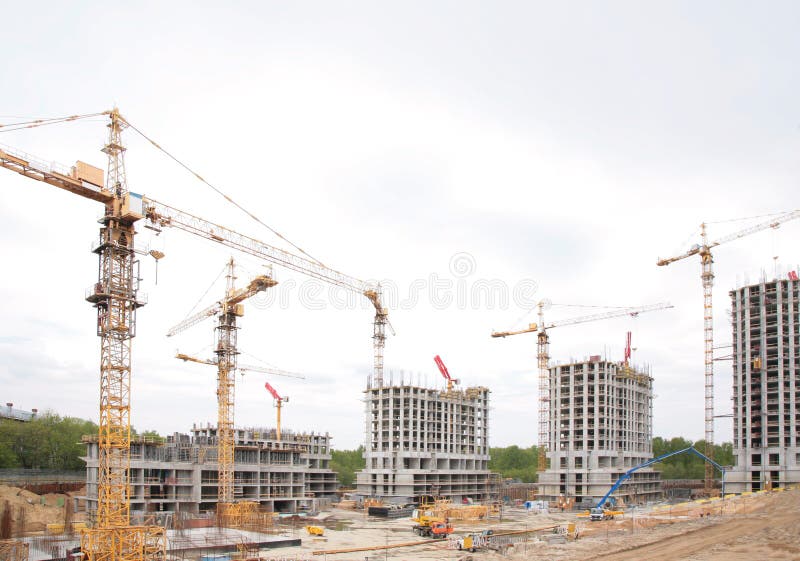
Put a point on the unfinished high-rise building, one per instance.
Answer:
(426, 442)
(766, 385)
(601, 425)
(180, 472)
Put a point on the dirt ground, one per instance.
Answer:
(752, 528)
(760, 527)
(29, 505)
(765, 527)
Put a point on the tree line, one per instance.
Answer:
(520, 463)
(50, 441)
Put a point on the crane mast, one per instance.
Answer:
(707, 276)
(226, 352)
(115, 299)
(543, 361)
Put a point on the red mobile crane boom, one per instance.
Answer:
(278, 403)
(443, 369)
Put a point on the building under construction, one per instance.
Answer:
(424, 442)
(766, 385)
(601, 419)
(180, 473)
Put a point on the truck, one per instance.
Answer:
(440, 530)
(601, 511)
(427, 524)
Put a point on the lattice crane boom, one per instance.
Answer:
(703, 249)
(239, 295)
(161, 215)
(632, 311)
(158, 215)
(697, 249)
(543, 360)
(242, 367)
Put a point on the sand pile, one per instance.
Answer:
(28, 506)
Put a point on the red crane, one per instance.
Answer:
(278, 403)
(443, 369)
(627, 349)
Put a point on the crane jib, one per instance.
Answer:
(162, 215)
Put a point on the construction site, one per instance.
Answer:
(465, 162)
(223, 492)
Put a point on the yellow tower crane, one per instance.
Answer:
(115, 296)
(703, 249)
(543, 361)
(227, 310)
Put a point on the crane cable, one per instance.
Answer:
(33, 123)
(746, 218)
(219, 192)
(49, 121)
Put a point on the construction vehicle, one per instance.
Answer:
(608, 511)
(604, 509)
(279, 401)
(473, 542)
(543, 361)
(437, 530)
(424, 519)
(315, 530)
(703, 249)
(443, 369)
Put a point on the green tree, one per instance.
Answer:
(8, 440)
(514, 462)
(46, 442)
(688, 466)
(152, 435)
(346, 463)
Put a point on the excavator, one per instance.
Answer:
(604, 510)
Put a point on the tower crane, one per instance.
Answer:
(703, 249)
(443, 369)
(116, 299)
(227, 310)
(115, 296)
(278, 403)
(543, 360)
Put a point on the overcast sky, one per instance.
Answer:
(544, 150)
